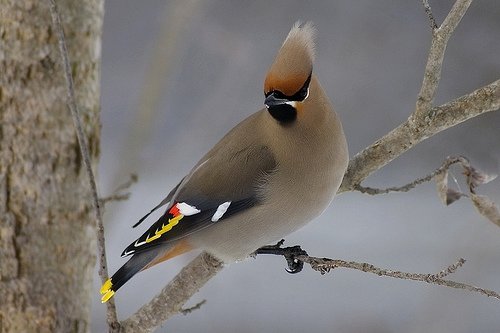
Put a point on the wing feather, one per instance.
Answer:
(229, 173)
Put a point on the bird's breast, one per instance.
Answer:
(299, 189)
(303, 192)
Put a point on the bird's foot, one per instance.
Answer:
(289, 253)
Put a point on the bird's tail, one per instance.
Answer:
(135, 264)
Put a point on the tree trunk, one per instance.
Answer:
(47, 226)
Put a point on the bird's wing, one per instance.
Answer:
(225, 182)
(165, 201)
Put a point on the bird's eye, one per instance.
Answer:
(302, 94)
(277, 94)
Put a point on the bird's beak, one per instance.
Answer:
(272, 100)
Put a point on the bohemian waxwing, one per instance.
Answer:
(270, 175)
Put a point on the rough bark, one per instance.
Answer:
(47, 226)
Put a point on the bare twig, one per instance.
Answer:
(405, 188)
(450, 269)
(174, 295)
(453, 18)
(193, 308)
(440, 37)
(474, 177)
(117, 196)
(114, 197)
(428, 11)
(324, 265)
(82, 141)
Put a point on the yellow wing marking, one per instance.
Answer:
(106, 291)
(165, 228)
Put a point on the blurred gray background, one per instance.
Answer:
(211, 57)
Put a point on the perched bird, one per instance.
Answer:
(269, 176)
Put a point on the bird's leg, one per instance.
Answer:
(289, 253)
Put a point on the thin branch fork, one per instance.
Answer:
(426, 120)
(411, 132)
(440, 37)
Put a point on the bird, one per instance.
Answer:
(267, 177)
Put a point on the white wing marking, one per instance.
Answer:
(127, 253)
(186, 209)
(221, 210)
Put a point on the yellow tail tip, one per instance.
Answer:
(106, 287)
(107, 296)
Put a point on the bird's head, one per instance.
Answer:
(287, 82)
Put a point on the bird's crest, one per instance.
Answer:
(293, 63)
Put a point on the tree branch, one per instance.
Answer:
(174, 295)
(416, 130)
(324, 265)
(407, 187)
(296, 256)
(425, 121)
(440, 37)
(82, 142)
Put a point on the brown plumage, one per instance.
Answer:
(270, 175)
(294, 61)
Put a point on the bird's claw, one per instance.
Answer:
(294, 266)
(289, 253)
